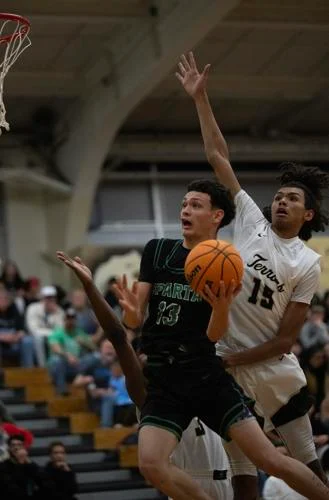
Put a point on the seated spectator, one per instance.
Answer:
(4, 414)
(95, 374)
(314, 364)
(110, 296)
(86, 319)
(67, 345)
(31, 294)
(117, 407)
(325, 303)
(320, 428)
(20, 478)
(8, 429)
(314, 330)
(96, 368)
(13, 340)
(62, 297)
(11, 277)
(60, 479)
(41, 319)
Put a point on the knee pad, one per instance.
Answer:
(298, 439)
(239, 463)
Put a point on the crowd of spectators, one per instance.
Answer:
(49, 327)
(21, 478)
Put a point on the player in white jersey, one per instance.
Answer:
(201, 453)
(281, 275)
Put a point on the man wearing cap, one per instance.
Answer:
(41, 319)
(67, 345)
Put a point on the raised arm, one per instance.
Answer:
(216, 148)
(113, 329)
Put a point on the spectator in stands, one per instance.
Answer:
(60, 479)
(96, 368)
(67, 345)
(41, 319)
(117, 407)
(320, 427)
(13, 340)
(62, 299)
(110, 296)
(32, 290)
(86, 319)
(95, 374)
(314, 364)
(20, 478)
(4, 414)
(325, 303)
(31, 293)
(11, 277)
(8, 429)
(314, 330)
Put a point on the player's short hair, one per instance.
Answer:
(220, 197)
(313, 182)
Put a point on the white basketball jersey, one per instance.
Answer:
(200, 449)
(276, 272)
(199, 453)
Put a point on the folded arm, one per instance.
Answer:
(290, 327)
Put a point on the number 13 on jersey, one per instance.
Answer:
(168, 314)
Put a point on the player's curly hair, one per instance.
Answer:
(313, 182)
(220, 197)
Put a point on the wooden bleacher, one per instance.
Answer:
(22, 377)
(110, 439)
(128, 455)
(95, 454)
(64, 406)
(83, 422)
(39, 393)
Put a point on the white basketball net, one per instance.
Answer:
(12, 49)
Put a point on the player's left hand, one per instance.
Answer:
(225, 294)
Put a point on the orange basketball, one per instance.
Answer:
(213, 261)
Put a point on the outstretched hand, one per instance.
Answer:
(128, 300)
(193, 82)
(80, 269)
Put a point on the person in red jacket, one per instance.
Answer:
(8, 429)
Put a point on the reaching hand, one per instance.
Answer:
(80, 269)
(128, 300)
(193, 82)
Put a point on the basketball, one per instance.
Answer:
(213, 261)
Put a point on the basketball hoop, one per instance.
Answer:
(14, 40)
